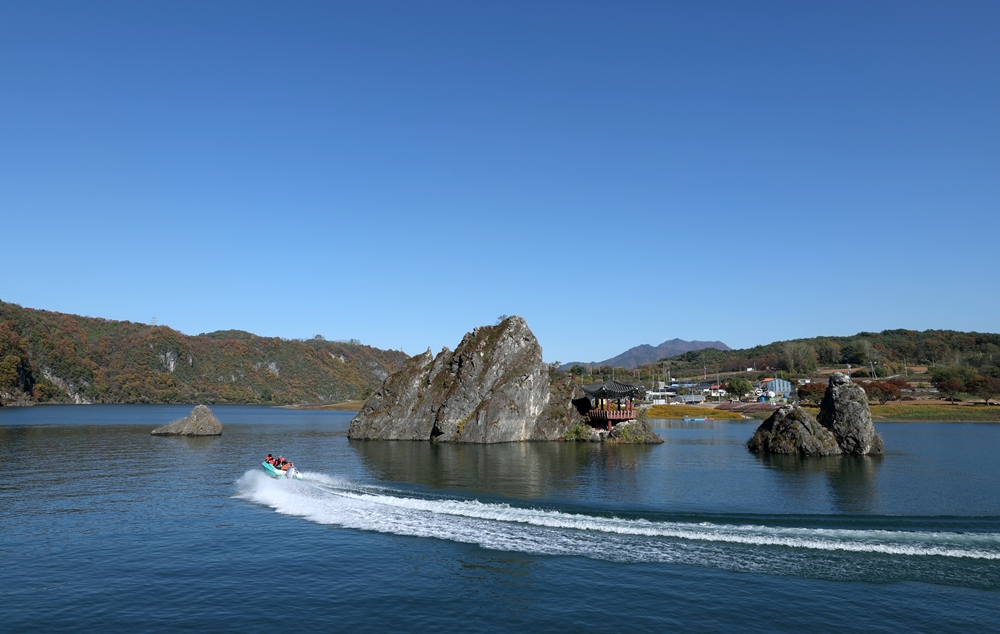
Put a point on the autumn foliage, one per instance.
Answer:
(54, 357)
(811, 392)
(883, 391)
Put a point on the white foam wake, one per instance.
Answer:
(334, 501)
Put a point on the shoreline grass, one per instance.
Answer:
(904, 412)
(680, 411)
(928, 413)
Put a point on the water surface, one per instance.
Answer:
(106, 527)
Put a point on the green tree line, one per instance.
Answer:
(886, 351)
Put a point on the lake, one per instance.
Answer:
(104, 527)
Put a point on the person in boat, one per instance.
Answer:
(269, 460)
(283, 464)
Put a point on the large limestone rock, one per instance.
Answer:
(792, 430)
(493, 388)
(200, 422)
(844, 411)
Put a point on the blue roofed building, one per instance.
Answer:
(780, 387)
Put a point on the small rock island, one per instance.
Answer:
(493, 388)
(843, 425)
(200, 422)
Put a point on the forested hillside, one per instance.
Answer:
(884, 351)
(53, 357)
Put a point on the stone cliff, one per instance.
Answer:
(493, 388)
(843, 425)
(844, 411)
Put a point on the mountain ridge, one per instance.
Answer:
(49, 357)
(646, 353)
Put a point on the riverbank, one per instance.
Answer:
(931, 413)
(958, 413)
(693, 411)
(343, 406)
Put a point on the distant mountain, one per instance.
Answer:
(648, 354)
(48, 357)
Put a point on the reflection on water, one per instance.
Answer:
(852, 480)
(678, 423)
(193, 442)
(528, 469)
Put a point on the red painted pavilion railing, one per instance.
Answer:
(609, 415)
(613, 414)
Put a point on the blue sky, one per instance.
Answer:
(402, 172)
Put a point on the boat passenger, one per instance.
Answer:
(269, 460)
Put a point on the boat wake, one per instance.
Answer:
(738, 546)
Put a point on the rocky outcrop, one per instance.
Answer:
(843, 425)
(493, 388)
(635, 432)
(844, 411)
(200, 422)
(792, 430)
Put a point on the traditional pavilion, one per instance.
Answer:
(611, 402)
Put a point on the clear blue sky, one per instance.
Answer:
(400, 172)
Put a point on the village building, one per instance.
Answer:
(773, 390)
(780, 387)
(689, 399)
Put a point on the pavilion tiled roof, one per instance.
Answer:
(611, 389)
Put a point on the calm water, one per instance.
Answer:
(104, 527)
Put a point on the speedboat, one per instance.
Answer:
(292, 472)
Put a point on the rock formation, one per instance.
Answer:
(200, 422)
(792, 430)
(844, 411)
(843, 425)
(493, 388)
(635, 432)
